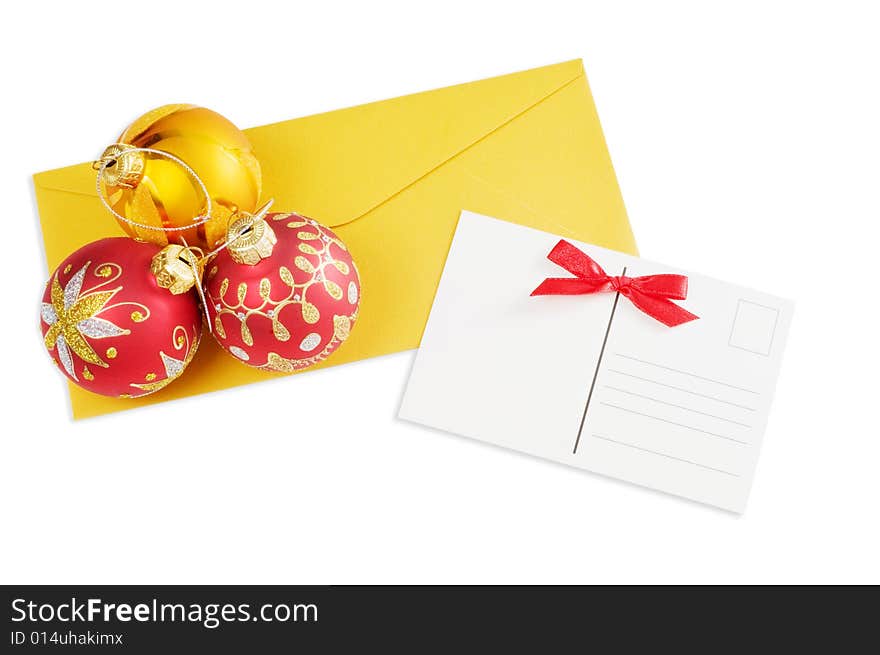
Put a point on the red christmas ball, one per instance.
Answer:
(286, 310)
(109, 326)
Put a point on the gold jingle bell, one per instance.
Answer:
(159, 193)
(176, 268)
(250, 239)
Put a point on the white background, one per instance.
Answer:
(747, 146)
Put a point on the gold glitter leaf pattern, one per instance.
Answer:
(310, 313)
(88, 306)
(52, 335)
(71, 314)
(246, 334)
(278, 363)
(242, 291)
(57, 293)
(286, 276)
(333, 289)
(307, 249)
(265, 288)
(224, 286)
(306, 236)
(304, 264)
(342, 267)
(281, 332)
(341, 327)
(218, 327)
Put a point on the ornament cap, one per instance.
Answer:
(121, 165)
(250, 239)
(176, 268)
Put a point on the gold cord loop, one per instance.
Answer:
(122, 164)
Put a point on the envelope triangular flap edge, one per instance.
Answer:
(385, 147)
(371, 152)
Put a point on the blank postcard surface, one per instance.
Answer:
(590, 380)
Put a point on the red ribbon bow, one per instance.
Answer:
(653, 294)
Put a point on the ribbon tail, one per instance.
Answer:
(665, 285)
(661, 309)
(575, 261)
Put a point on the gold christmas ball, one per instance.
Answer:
(157, 191)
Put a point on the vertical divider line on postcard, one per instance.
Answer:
(596, 372)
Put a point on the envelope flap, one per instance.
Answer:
(79, 179)
(371, 152)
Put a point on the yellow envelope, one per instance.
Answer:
(391, 178)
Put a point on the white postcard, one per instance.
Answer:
(593, 380)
